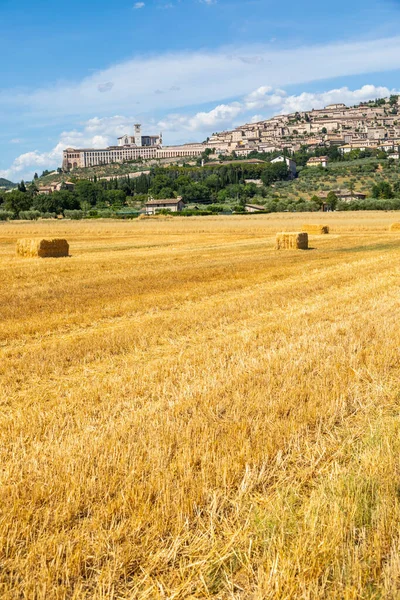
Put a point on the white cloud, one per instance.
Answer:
(193, 78)
(202, 121)
(265, 97)
(138, 5)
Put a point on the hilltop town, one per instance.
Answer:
(371, 125)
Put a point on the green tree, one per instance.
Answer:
(274, 172)
(17, 201)
(115, 197)
(89, 192)
(382, 190)
(196, 192)
(57, 202)
(332, 200)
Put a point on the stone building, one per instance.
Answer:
(172, 204)
(129, 148)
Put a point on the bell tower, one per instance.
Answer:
(138, 135)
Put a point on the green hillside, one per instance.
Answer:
(5, 183)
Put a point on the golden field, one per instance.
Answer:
(188, 413)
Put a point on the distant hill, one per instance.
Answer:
(5, 183)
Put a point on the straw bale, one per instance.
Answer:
(315, 229)
(42, 248)
(292, 240)
(395, 227)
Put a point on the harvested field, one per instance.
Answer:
(315, 229)
(395, 227)
(187, 413)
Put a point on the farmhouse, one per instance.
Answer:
(344, 195)
(318, 161)
(56, 187)
(252, 208)
(45, 190)
(255, 181)
(171, 204)
(290, 164)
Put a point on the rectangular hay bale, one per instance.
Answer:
(291, 241)
(315, 229)
(395, 227)
(42, 248)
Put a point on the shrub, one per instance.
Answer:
(29, 215)
(6, 215)
(73, 214)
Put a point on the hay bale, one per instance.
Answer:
(33, 247)
(291, 241)
(315, 229)
(395, 227)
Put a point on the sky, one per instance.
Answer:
(81, 74)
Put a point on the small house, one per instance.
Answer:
(291, 165)
(253, 208)
(318, 161)
(153, 206)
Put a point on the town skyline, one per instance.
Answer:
(243, 61)
(371, 125)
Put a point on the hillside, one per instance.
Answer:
(107, 171)
(358, 175)
(6, 184)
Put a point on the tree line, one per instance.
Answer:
(207, 185)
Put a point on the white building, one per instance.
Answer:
(290, 163)
(138, 146)
(172, 204)
(318, 161)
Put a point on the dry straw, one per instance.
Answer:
(315, 229)
(395, 227)
(291, 241)
(33, 247)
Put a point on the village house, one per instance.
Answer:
(290, 164)
(46, 190)
(344, 195)
(255, 181)
(253, 208)
(56, 187)
(172, 204)
(318, 161)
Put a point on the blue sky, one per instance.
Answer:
(81, 73)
